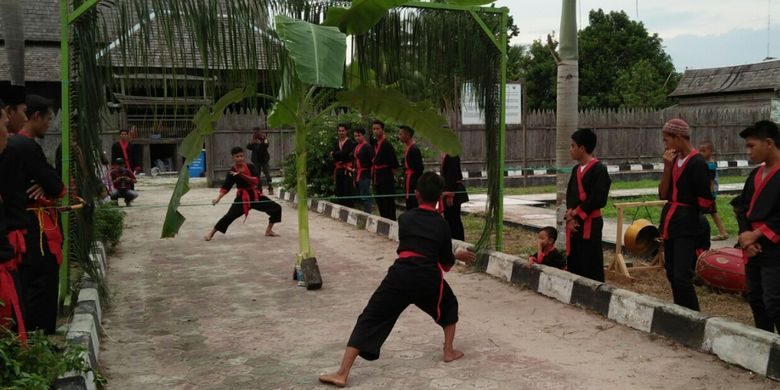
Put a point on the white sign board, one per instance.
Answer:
(470, 113)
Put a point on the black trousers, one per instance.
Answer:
(763, 282)
(452, 215)
(236, 210)
(407, 282)
(39, 277)
(680, 258)
(384, 185)
(345, 187)
(586, 257)
(266, 170)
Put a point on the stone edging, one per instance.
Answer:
(732, 342)
(515, 172)
(84, 328)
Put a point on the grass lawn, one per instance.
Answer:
(616, 185)
(522, 242)
(654, 213)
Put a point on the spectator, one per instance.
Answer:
(122, 180)
(260, 156)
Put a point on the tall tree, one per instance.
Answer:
(613, 43)
(568, 113)
(614, 51)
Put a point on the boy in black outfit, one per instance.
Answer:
(249, 195)
(546, 254)
(416, 277)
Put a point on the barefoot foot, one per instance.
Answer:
(333, 379)
(207, 238)
(271, 234)
(452, 355)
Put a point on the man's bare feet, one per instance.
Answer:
(333, 379)
(270, 233)
(207, 237)
(452, 355)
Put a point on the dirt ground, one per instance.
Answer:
(722, 304)
(225, 315)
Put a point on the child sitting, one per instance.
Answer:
(546, 254)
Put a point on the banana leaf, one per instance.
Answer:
(319, 52)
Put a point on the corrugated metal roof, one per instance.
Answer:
(741, 78)
(41, 20)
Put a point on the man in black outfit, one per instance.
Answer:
(384, 165)
(342, 171)
(249, 195)
(24, 163)
(260, 156)
(413, 165)
(454, 194)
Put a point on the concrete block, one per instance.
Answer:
(592, 295)
(372, 224)
(501, 265)
(524, 276)
(557, 284)
(677, 323)
(321, 207)
(352, 218)
(344, 214)
(87, 295)
(362, 220)
(83, 328)
(328, 209)
(393, 233)
(383, 228)
(739, 344)
(632, 309)
(773, 367)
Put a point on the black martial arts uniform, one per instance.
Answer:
(683, 223)
(261, 158)
(363, 161)
(129, 152)
(416, 277)
(35, 234)
(454, 189)
(11, 311)
(551, 258)
(384, 163)
(342, 175)
(587, 194)
(249, 195)
(759, 208)
(413, 169)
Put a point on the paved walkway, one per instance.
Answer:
(529, 210)
(225, 315)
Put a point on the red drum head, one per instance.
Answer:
(723, 268)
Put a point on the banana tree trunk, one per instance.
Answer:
(13, 34)
(300, 194)
(567, 110)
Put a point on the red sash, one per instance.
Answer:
(673, 203)
(339, 164)
(247, 194)
(409, 254)
(376, 167)
(124, 146)
(587, 219)
(8, 292)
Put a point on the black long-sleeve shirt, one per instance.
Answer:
(689, 195)
(384, 155)
(426, 233)
(343, 155)
(259, 150)
(453, 178)
(23, 165)
(595, 183)
(761, 210)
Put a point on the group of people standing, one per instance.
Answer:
(30, 238)
(360, 165)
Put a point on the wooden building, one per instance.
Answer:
(742, 86)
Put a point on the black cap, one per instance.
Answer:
(12, 94)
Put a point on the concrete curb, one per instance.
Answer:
(730, 341)
(84, 328)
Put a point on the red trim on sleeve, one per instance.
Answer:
(705, 203)
(223, 191)
(769, 233)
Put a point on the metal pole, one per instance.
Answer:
(502, 132)
(65, 142)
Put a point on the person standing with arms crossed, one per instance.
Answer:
(260, 156)
(342, 172)
(382, 172)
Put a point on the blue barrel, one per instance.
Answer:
(198, 166)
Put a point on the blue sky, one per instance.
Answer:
(696, 33)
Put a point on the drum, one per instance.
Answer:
(723, 269)
(641, 238)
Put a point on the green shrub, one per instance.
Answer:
(109, 224)
(39, 364)
(319, 164)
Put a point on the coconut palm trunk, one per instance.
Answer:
(567, 110)
(13, 34)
